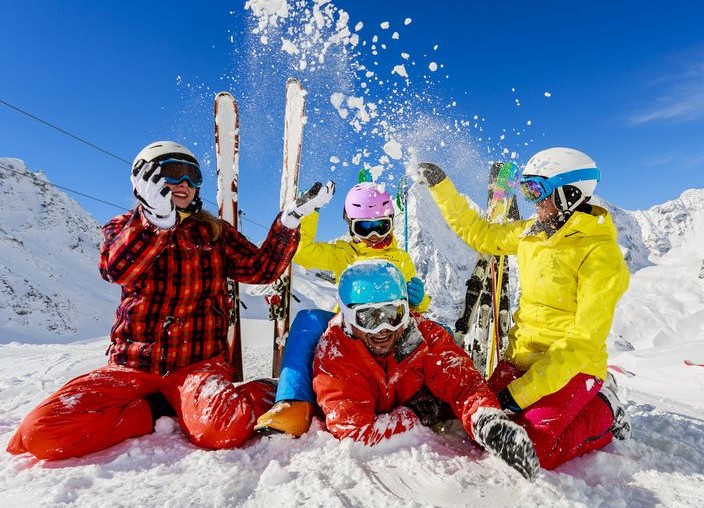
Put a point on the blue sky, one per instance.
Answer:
(624, 79)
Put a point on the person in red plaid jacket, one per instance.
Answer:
(169, 339)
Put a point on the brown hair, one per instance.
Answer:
(214, 223)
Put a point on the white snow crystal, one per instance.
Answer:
(433, 66)
(384, 25)
(288, 47)
(547, 94)
(400, 70)
(407, 21)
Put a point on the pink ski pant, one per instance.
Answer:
(564, 424)
(106, 406)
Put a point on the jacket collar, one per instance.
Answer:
(597, 223)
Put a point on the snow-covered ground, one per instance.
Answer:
(663, 465)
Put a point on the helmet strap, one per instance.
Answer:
(559, 199)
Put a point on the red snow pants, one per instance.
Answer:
(106, 406)
(564, 424)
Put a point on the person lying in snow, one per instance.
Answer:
(377, 364)
(572, 274)
(369, 213)
(169, 339)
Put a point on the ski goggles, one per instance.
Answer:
(176, 171)
(537, 188)
(374, 317)
(364, 228)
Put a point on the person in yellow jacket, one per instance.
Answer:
(572, 274)
(369, 213)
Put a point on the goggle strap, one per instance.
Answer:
(577, 175)
(166, 161)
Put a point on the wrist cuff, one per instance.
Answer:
(161, 222)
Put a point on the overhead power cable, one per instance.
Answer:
(30, 175)
(63, 131)
(43, 182)
(96, 147)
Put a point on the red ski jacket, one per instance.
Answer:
(174, 307)
(362, 396)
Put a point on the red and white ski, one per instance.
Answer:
(280, 301)
(227, 148)
(691, 363)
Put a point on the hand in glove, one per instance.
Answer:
(149, 189)
(427, 407)
(506, 439)
(428, 174)
(416, 291)
(311, 201)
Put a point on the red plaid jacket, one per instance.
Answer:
(174, 307)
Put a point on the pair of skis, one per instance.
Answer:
(227, 160)
(483, 325)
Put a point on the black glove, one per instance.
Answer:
(506, 439)
(427, 407)
(429, 174)
(148, 187)
(507, 401)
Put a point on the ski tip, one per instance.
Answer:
(223, 95)
(364, 175)
(691, 363)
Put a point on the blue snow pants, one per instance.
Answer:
(296, 377)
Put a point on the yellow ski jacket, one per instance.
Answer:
(570, 284)
(341, 254)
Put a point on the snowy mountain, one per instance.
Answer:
(50, 289)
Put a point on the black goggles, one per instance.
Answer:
(364, 228)
(176, 171)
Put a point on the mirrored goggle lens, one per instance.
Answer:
(534, 189)
(365, 228)
(176, 171)
(184, 178)
(374, 318)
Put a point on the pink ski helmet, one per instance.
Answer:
(367, 201)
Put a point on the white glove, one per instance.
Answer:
(427, 173)
(311, 201)
(149, 189)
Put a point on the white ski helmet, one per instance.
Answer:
(566, 174)
(163, 150)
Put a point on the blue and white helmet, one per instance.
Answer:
(371, 281)
(574, 173)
